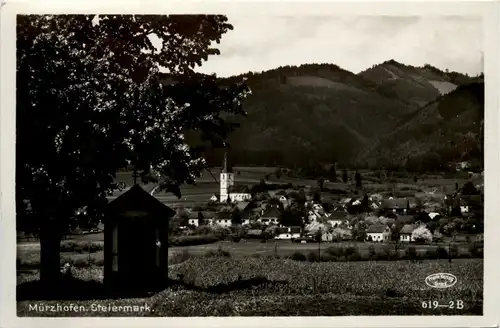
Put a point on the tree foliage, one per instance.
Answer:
(421, 233)
(469, 189)
(91, 100)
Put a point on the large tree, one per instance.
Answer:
(91, 100)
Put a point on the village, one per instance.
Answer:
(308, 214)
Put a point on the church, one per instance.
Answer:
(228, 190)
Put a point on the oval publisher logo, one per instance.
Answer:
(441, 280)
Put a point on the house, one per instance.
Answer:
(208, 217)
(135, 240)
(285, 200)
(396, 205)
(281, 193)
(471, 204)
(239, 193)
(379, 233)
(338, 223)
(461, 166)
(314, 216)
(451, 201)
(288, 233)
(316, 211)
(193, 219)
(432, 215)
(406, 232)
(327, 237)
(270, 216)
(222, 219)
(356, 202)
(337, 218)
(214, 198)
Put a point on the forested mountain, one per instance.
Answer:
(298, 115)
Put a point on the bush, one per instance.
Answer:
(325, 257)
(353, 257)
(454, 251)
(192, 240)
(411, 254)
(312, 256)
(441, 252)
(351, 251)
(82, 246)
(298, 256)
(371, 251)
(236, 238)
(476, 250)
(203, 230)
(335, 251)
(390, 254)
(80, 262)
(431, 254)
(221, 232)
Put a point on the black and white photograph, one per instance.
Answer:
(250, 165)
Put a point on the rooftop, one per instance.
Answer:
(242, 205)
(226, 165)
(272, 212)
(407, 229)
(405, 218)
(376, 228)
(338, 215)
(137, 199)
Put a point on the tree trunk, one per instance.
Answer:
(50, 242)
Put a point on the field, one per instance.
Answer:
(286, 248)
(207, 186)
(266, 286)
(29, 254)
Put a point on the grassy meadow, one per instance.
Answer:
(268, 286)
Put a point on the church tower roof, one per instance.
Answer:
(226, 165)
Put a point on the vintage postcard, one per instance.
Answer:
(296, 164)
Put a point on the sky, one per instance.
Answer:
(259, 43)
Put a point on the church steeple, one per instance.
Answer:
(226, 165)
(226, 179)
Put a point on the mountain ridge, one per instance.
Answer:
(298, 115)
